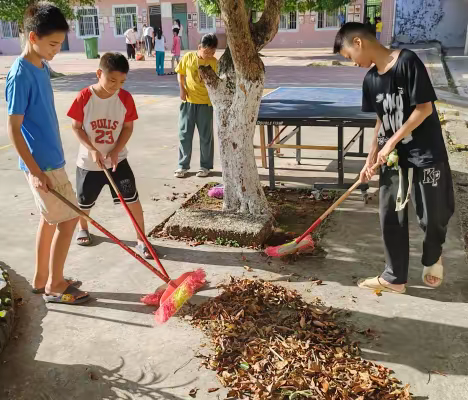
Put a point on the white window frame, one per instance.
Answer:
(115, 19)
(212, 17)
(328, 28)
(77, 23)
(11, 25)
(288, 16)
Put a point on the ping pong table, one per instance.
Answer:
(313, 106)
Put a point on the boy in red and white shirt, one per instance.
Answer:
(103, 116)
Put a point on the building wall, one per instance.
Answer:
(425, 20)
(306, 35)
(388, 8)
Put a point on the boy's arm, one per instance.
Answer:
(183, 90)
(83, 138)
(40, 179)
(122, 141)
(417, 117)
(367, 172)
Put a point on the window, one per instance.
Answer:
(206, 23)
(125, 18)
(9, 29)
(87, 21)
(288, 22)
(330, 19)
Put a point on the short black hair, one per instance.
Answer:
(348, 32)
(44, 18)
(111, 62)
(135, 29)
(176, 31)
(209, 41)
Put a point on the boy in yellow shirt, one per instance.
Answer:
(378, 28)
(196, 108)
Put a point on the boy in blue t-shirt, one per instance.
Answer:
(34, 131)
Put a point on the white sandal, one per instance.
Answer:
(374, 283)
(437, 271)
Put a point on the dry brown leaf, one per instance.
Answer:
(212, 390)
(193, 392)
(247, 268)
(302, 322)
(281, 365)
(378, 292)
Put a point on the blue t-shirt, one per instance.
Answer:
(29, 92)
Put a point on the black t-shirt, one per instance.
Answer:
(394, 96)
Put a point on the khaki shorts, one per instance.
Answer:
(51, 208)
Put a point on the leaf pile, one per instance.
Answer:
(270, 344)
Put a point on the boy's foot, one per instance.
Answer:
(433, 276)
(71, 295)
(83, 238)
(180, 173)
(203, 173)
(74, 282)
(143, 251)
(377, 283)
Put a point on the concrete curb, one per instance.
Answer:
(7, 307)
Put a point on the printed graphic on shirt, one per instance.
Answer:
(103, 121)
(431, 176)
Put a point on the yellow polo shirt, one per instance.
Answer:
(196, 89)
(378, 27)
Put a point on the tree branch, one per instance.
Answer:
(266, 28)
(209, 76)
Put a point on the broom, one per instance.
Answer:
(305, 242)
(178, 292)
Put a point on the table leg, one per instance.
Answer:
(340, 156)
(361, 142)
(271, 158)
(298, 142)
(262, 146)
(278, 135)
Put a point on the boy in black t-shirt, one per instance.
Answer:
(399, 90)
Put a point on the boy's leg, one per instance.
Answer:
(394, 227)
(186, 130)
(129, 51)
(45, 234)
(137, 211)
(205, 130)
(433, 200)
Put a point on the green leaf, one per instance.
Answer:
(244, 365)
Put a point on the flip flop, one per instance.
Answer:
(437, 271)
(70, 281)
(143, 250)
(373, 283)
(69, 296)
(83, 234)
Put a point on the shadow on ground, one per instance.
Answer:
(48, 381)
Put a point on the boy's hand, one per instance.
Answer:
(41, 182)
(98, 158)
(385, 152)
(113, 156)
(367, 172)
(183, 94)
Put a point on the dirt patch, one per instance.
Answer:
(294, 211)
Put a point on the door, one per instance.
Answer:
(155, 17)
(373, 10)
(179, 11)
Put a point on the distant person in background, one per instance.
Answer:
(176, 42)
(342, 19)
(378, 28)
(131, 41)
(160, 47)
(179, 26)
(148, 32)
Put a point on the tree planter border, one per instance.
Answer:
(7, 307)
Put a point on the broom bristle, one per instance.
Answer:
(152, 299)
(290, 248)
(180, 296)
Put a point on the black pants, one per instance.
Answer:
(149, 44)
(433, 199)
(130, 51)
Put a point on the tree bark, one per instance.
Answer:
(236, 94)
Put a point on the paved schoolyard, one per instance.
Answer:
(110, 350)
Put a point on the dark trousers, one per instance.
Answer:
(130, 51)
(201, 116)
(433, 200)
(149, 44)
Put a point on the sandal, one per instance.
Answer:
(83, 234)
(71, 295)
(437, 271)
(70, 281)
(143, 251)
(374, 284)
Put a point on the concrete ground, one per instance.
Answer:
(110, 349)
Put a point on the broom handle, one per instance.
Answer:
(329, 211)
(137, 227)
(109, 235)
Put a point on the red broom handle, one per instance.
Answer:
(137, 227)
(329, 211)
(110, 235)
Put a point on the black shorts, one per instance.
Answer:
(90, 183)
